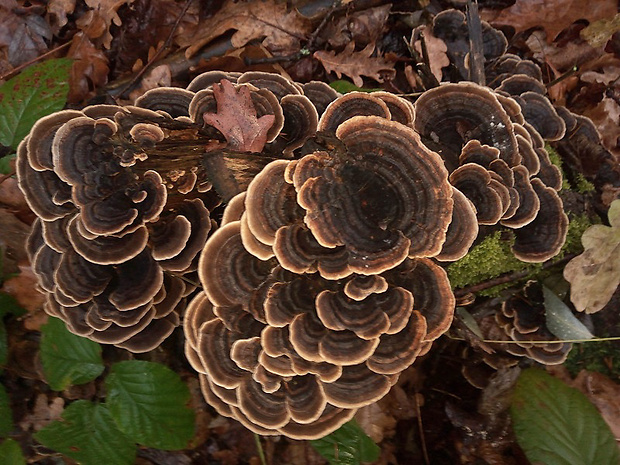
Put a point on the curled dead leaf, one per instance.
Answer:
(552, 15)
(236, 118)
(595, 274)
(356, 64)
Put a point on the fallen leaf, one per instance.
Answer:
(160, 76)
(89, 71)
(236, 118)
(599, 32)
(595, 274)
(24, 288)
(271, 21)
(574, 53)
(23, 35)
(436, 48)
(57, 11)
(552, 15)
(362, 27)
(604, 394)
(43, 413)
(606, 118)
(356, 64)
(96, 22)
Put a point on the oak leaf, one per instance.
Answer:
(356, 64)
(97, 21)
(89, 71)
(552, 15)
(22, 36)
(236, 118)
(595, 274)
(271, 21)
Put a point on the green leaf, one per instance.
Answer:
(348, 445)
(344, 87)
(5, 164)
(88, 434)
(8, 304)
(557, 425)
(38, 91)
(68, 359)
(149, 403)
(560, 320)
(6, 414)
(11, 453)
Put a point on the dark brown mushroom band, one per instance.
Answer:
(324, 278)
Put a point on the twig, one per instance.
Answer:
(563, 76)
(259, 448)
(509, 277)
(165, 45)
(421, 429)
(476, 55)
(39, 58)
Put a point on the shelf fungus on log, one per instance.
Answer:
(320, 288)
(123, 197)
(496, 158)
(521, 321)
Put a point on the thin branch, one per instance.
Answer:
(39, 58)
(509, 277)
(165, 45)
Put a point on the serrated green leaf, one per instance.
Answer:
(68, 359)
(348, 445)
(560, 320)
(38, 91)
(11, 453)
(6, 414)
(149, 403)
(88, 434)
(557, 425)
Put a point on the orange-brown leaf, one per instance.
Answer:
(552, 15)
(356, 64)
(270, 20)
(236, 118)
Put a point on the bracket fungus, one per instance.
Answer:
(325, 279)
(123, 199)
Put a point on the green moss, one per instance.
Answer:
(576, 227)
(583, 185)
(557, 161)
(489, 259)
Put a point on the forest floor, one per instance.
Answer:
(122, 48)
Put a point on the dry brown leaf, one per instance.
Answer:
(43, 413)
(89, 70)
(160, 76)
(595, 274)
(97, 21)
(236, 118)
(280, 28)
(22, 36)
(23, 288)
(573, 53)
(604, 394)
(362, 27)
(552, 15)
(606, 117)
(436, 48)
(57, 11)
(599, 32)
(356, 64)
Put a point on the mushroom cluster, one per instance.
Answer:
(123, 201)
(521, 321)
(319, 287)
